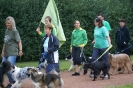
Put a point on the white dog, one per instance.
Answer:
(19, 75)
(69, 57)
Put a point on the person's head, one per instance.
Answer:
(48, 29)
(10, 23)
(100, 16)
(122, 22)
(76, 24)
(98, 22)
(47, 20)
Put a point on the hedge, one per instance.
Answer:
(28, 13)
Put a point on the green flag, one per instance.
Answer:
(52, 11)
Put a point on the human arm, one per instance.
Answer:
(71, 43)
(109, 40)
(85, 39)
(20, 48)
(3, 49)
(55, 45)
(39, 32)
(128, 36)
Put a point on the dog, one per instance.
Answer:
(97, 67)
(69, 57)
(6, 67)
(44, 79)
(19, 75)
(120, 61)
(132, 65)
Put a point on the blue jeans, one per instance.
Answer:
(98, 52)
(53, 66)
(12, 60)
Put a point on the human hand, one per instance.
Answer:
(2, 54)
(20, 53)
(93, 42)
(38, 29)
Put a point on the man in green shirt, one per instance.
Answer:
(47, 21)
(105, 23)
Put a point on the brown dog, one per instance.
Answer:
(120, 61)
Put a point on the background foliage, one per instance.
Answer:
(28, 13)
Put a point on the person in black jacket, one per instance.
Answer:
(122, 37)
(49, 51)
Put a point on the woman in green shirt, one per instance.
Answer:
(101, 41)
(78, 41)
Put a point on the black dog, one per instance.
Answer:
(97, 67)
(6, 66)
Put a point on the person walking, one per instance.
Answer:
(12, 46)
(78, 41)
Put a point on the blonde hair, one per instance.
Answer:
(12, 21)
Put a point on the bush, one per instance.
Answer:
(28, 13)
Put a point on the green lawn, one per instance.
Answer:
(64, 65)
(124, 86)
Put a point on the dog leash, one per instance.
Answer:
(124, 49)
(103, 53)
(82, 53)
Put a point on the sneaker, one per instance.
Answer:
(76, 74)
(9, 86)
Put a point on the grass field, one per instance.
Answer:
(124, 86)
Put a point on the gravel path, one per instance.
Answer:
(84, 81)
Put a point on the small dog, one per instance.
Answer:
(69, 57)
(97, 67)
(6, 67)
(19, 75)
(120, 61)
(44, 79)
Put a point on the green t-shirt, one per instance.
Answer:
(79, 37)
(11, 40)
(100, 35)
(107, 25)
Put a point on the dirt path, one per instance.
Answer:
(84, 81)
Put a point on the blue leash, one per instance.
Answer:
(124, 49)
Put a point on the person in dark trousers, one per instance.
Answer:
(78, 41)
(122, 37)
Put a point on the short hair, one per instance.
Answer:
(76, 21)
(49, 18)
(100, 14)
(100, 23)
(122, 20)
(12, 21)
(49, 26)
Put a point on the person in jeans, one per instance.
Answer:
(78, 41)
(12, 46)
(122, 37)
(49, 50)
(101, 41)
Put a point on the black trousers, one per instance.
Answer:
(77, 55)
